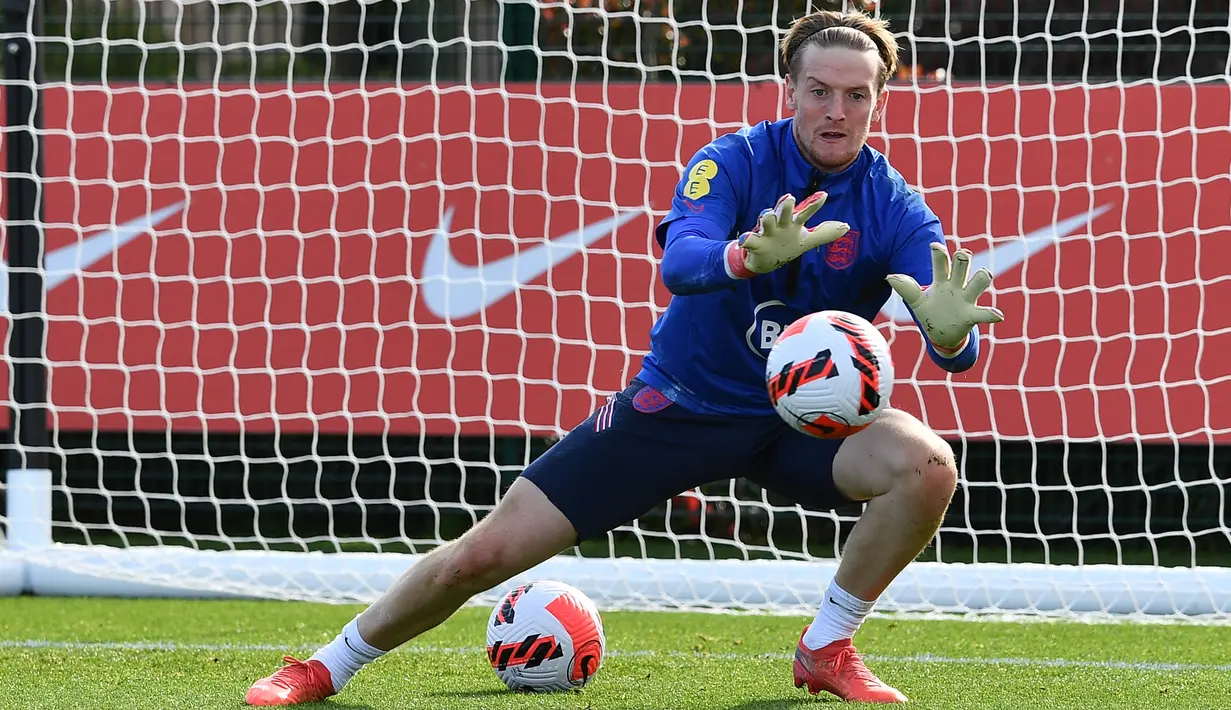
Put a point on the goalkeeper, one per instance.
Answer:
(767, 225)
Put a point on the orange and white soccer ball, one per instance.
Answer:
(830, 374)
(545, 636)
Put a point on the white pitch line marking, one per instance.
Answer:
(922, 658)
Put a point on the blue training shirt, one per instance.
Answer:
(708, 349)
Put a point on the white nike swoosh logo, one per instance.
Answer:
(66, 262)
(452, 290)
(1005, 256)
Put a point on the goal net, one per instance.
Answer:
(323, 278)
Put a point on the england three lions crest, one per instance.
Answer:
(841, 252)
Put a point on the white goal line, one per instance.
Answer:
(921, 658)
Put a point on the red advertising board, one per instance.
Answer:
(298, 285)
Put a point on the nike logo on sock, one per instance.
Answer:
(843, 608)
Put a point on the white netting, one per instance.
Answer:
(327, 276)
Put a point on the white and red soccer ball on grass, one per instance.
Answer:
(545, 636)
(830, 374)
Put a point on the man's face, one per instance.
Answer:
(835, 101)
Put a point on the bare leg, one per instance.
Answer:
(524, 530)
(908, 475)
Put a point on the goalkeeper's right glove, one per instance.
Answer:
(781, 237)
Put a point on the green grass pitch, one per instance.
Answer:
(106, 653)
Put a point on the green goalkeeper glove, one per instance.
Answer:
(781, 237)
(947, 309)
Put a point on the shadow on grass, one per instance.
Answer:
(787, 703)
(464, 694)
(767, 704)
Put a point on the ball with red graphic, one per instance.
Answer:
(830, 374)
(545, 636)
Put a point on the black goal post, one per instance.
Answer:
(23, 222)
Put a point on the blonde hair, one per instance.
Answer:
(851, 30)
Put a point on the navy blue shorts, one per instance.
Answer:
(640, 449)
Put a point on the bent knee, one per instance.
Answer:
(918, 457)
(937, 466)
(896, 453)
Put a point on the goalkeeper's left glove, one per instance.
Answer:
(947, 309)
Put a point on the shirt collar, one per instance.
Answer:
(801, 172)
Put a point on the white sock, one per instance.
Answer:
(346, 654)
(839, 617)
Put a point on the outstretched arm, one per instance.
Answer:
(694, 258)
(698, 257)
(946, 311)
